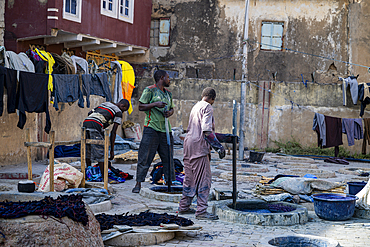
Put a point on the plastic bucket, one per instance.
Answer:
(355, 187)
(334, 206)
(256, 156)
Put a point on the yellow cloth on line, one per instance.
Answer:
(46, 56)
(128, 82)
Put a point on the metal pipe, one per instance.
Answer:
(235, 112)
(169, 172)
(244, 79)
(234, 172)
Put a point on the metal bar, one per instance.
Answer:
(29, 159)
(235, 112)
(83, 155)
(234, 172)
(169, 182)
(106, 146)
(242, 121)
(51, 159)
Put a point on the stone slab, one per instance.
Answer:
(140, 239)
(166, 197)
(240, 177)
(101, 206)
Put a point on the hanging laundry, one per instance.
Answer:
(8, 79)
(69, 60)
(82, 63)
(19, 62)
(62, 66)
(99, 86)
(366, 134)
(3, 59)
(67, 90)
(32, 96)
(48, 58)
(320, 127)
(333, 131)
(40, 65)
(86, 82)
(353, 128)
(350, 81)
(117, 92)
(364, 96)
(128, 82)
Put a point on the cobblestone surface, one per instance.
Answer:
(354, 232)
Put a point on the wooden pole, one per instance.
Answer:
(29, 159)
(83, 155)
(106, 146)
(51, 159)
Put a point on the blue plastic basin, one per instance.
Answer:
(355, 187)
(334, 206)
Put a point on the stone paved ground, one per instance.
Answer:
(354, 232)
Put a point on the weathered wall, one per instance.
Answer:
(359, 35)
(269, 115)
(211, 32)
(66, 123)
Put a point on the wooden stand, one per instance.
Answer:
(51, 146)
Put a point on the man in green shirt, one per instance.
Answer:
(154, 101)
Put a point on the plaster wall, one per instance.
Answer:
(208, 36)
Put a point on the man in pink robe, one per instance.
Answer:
(199, 138)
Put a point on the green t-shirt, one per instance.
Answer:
(154, 117)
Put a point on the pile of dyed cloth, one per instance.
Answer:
(143, 219)
(93, 174)
(71, 206)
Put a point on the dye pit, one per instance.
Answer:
(302, 241)
(164, 189)
(259, 212)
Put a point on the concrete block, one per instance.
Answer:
(140, 239)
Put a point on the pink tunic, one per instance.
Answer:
(197, 167)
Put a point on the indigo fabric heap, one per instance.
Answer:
(142, 219)
(71, 206)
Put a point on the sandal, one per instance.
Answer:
(187, 211)
(206, 216)
(136, 189)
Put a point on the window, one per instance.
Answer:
(72, 10)
(120, 9)
(160, 32)
(272, 35)
(109, 8)
(126, 10)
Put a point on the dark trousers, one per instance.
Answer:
(154, 141)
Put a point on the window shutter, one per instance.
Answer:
(164, 32)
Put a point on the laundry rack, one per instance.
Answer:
(51, 146)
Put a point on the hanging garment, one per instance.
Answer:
(8, 79)
(67, 90)
(32, 96)
(333, 131)
(86, 82)
(48, 58)
(320, 127)
(364, 96)
(350, 81)
(117, 92)
(62, 66)
(366, 134)
(3, 59)
(353, 128)
(81, 62)
(69, 60)
(19, 62)
(128, 82)
(99, 86)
